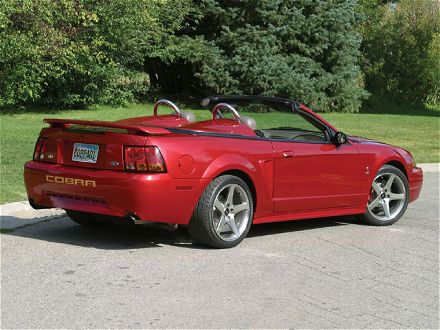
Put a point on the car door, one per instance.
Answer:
(315, 174)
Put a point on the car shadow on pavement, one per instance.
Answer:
(299, 225)
(120, 237)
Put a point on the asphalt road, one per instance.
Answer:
(321, 273)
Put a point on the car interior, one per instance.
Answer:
(306, 130)
(303, 128)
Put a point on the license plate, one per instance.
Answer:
(86, 153)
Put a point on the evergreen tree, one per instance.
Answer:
(303, 49)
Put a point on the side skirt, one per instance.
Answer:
(308, 215)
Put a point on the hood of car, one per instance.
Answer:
(401, 151)
(358, 139)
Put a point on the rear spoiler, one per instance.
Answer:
(105, 126)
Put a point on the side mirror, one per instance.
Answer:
(340, 138)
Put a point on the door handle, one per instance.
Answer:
(288, 154)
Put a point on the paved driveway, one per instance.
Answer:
(302, 274)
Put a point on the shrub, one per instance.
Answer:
(432, 71)
(401, 50)
(77, 53)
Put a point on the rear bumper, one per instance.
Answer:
(151, 197)
(415, 178)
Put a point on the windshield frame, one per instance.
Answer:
(278, 103)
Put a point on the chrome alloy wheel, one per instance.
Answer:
(231, 212)
(387, 196)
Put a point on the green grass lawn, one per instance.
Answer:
(418, 133)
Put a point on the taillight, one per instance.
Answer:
(40, 148)
(143, 159)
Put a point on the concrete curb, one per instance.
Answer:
(7, 209)
(19, 214)
(430, 167)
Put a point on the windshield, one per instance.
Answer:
(275, 119)
(270, 117)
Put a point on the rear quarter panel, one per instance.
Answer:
(205, 157)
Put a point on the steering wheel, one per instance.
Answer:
(216, 113)
(169, 104)
(315, 137)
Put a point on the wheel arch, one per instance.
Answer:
(257, 175)
(379, 162)
(398, 165)
(247, 179)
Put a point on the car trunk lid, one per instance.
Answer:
(91, 144)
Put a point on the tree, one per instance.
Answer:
(400, 49)
(306, 50)
(77, 53)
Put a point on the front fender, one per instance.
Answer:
(376, 165)
(380, 162)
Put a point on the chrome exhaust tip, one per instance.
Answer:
(134, 219)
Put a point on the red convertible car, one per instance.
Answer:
(221, 175)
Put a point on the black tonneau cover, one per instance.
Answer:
(275, 102)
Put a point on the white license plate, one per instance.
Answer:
(86, 153)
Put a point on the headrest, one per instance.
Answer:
(188, 116)
(248, 121)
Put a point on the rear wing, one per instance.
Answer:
(105, 126)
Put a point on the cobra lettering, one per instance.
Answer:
(70, 181)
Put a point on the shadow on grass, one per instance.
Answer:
(38, 109)
(184, 102)
(379, 104)
(375, 104)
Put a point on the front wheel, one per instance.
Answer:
(389, 197)
(223, 215)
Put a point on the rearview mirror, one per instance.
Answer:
(340, 138)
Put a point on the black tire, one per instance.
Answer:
(369, 218)
(201, 226)
(88, 219)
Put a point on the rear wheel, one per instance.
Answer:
(389, 196)
(223, 215)
(88, 219)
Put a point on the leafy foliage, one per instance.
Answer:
(432, 71)
(401, 49)
(76, 53)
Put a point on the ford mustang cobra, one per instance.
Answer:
(218, 176)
